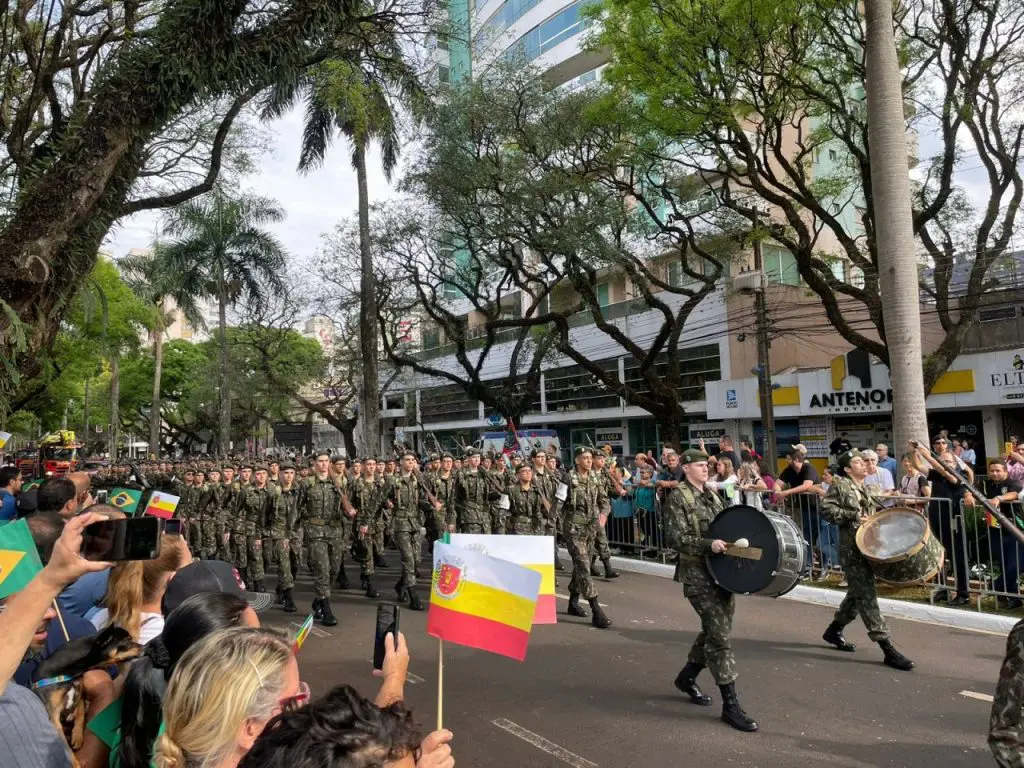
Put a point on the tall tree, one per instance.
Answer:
(357, 97)
(157, 281)
(220, 240)
(767, 101)
(98, 99)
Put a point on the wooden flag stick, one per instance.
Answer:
(64, 629)
(440, 682)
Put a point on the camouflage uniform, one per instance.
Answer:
(527, 517)
(499, 481)
(255, 503)
(579, 526)
(367, 496)
(211, 521)
(321, 516)
(444, 489)
(601, 549)
(844, 503)
(408, 518)
(239, 549)
(471, 489)
(293, 500)
(1005, 732)
(282, 508)
(218, 498)
(341, 534)
(687, 513)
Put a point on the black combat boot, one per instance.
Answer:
(575, 609)
(894, 658)
(278, 595)
(598, 619)
(609, 572)
(327, 616)
(287, 602)
(414, 600)
(317, 610)
(834, 636)
(342, 580)
(686, 681)
(400, 589)
(732, 712)
(558, 564)
(379, 561)
(295, 569)
(260, 587)
(593, 565)
(371, 591)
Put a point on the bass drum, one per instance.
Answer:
(782, 558)
(898, 543)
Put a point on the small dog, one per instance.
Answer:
(58, 679)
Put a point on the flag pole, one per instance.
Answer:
(440, 681)
(64, 629)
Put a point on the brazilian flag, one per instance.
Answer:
(28, 485)
(125, 499)
(19, 559)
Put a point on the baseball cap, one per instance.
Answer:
(799, 448)
(210, 576)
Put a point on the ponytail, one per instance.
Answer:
(168, 754)
(124, 597)
(142, 712)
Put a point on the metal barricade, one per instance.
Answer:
(638, 534)
(993, 556)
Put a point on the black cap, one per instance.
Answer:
(537, 452)
(582, 449)
(210, 576)
(472, 451)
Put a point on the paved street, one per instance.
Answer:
(586, 697)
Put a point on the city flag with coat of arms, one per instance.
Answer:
(19, 560)
(125, 499)
(482, 602)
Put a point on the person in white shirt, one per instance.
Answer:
(880, 477)
(968, 455)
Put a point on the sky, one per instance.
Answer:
(314, 202)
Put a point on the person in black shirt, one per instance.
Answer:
(1004, 550)
(840, 445)
(800, 477)
(945, 518)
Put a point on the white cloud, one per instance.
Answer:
(314, 202)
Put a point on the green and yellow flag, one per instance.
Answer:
(28, 485)
(19, 560)
(125, 499)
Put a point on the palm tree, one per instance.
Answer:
(156, 281)
(356, 96)
(890, 183)
(222, 244)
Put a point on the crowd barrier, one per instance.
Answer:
(983, 561)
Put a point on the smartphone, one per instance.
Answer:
(101, 496)
(387, 621)
(129, 539)
(172, 526)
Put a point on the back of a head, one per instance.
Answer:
(135, 582)
(144, 688)
(341, 730)
(223, 680)
(46, 528)
(54, 493)
(7, 474)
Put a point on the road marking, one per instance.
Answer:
(543, 744)
(566, 597)
(409, 676)
(316, 631)
(976, 695)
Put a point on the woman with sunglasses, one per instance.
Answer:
(223, 693)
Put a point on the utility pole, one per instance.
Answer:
(764, 377)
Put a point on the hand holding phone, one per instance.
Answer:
(387, 623)
(101, 496)
(172, 526)
(128, 539)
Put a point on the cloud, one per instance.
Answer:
(314, 202)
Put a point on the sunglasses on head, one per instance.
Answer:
(299, 700)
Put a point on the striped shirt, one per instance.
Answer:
(27, 738)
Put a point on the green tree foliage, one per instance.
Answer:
(765, 102)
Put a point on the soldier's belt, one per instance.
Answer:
(315, 522)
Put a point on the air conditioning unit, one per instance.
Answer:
(749, 282)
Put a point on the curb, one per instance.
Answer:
(932, 614)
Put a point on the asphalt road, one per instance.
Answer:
(586, 697)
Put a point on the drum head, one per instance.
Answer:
(740, 574)
(892, 534)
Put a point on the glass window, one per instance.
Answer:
(602, 295)
(780, 265)
(550, 33)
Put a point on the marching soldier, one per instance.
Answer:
(274, 476)
(526, 507)
(209, 503)
(848, 502)
(688, 510)
(601, 549)
(321, 514)
(498, 478)
(197, 512)
(546, 483)
(579, 513)
(342, 531)
(442, 485)
(256, 500)
(409, 507)
(282, 515)
(184, 494)
(471, 489)
(367, 496)
(1006, 722)
(239, 545)
(225, 513)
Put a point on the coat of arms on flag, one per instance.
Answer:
(449, 576)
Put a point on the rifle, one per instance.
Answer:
(590, 444)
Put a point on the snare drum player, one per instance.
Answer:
(688, 510)
(848, 502)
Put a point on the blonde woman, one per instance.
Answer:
(751, 485)
(136, 588)
(223, 692)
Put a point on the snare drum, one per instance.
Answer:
(780, 547)
(899, 544)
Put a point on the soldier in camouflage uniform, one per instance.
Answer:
(688, 510)
(225, 513)
(184, 510)
(366, 494)
(257, 499)
(601, 548)
(409, 507)
(320, 515)
(1005, 731)
(547, 482)
(526, 507)
(239, 547)
(342, 531)
(498, 478)
(579, 513)
(471, 488)
(209, 504)
(281, 516)
(442, 485)
(848, 502)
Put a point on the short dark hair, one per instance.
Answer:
(1000, 462)
(341, 730)
(54, 493)
(7, 474)
(46, 528)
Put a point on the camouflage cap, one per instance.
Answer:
(287, 464)
(581, 450)
(692, 456)
(321, 455)
(472, 451)
(845, 458)
(523, 466)
(435, 457)
(447, 455)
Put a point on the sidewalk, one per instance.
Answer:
(932, 614)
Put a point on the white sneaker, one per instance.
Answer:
(843, 583)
